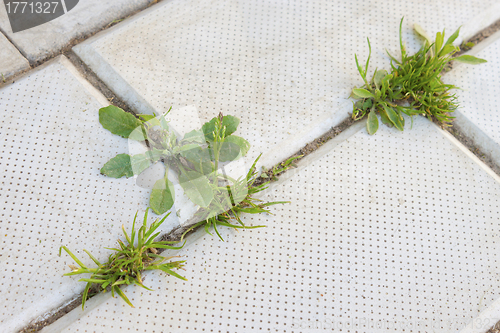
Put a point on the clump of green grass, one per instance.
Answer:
(414, 86)
(231, 200)
(127, 263)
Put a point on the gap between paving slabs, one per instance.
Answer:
(53, 195)
(477, 117)
(286, 83)
(327, 127)
(307, 148)
(40, 43)
(64, 40)
(393, 252)
(11, 61)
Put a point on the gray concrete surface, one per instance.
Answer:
(87, 17)
(11, 61)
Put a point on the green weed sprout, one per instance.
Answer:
(413, 87)
(231, 196)
(126, 264)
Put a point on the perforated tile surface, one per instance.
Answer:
(478, 99)
(396, 232)
(51, 149)
(284, 68)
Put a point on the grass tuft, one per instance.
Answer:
(133, 256)
(414, 85)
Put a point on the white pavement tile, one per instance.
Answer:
(386, 233)
(51, 150)
(86, 17)
(479, 112)
(284, 68)
(11, 61)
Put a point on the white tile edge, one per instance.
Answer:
(466, 151)
(112, 79)
(311, 132)
(479, 22)
(86, 84)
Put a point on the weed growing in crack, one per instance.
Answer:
(243, 193)
(276, 170)
(413, 87)
(199, 161)
(126, 264)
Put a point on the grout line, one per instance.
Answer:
(94, 91)
(75, 41)
(469, 153)
(76, 313)
(92, 82)
(18, 50)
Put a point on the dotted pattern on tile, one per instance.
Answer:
(396, 232)
(479, 89)
(279, 66)
(51, 150)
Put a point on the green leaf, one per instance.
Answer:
(162, 196)
(453, 37)
(118, 121)
(421, 32)
(190, 146)
(385, 119)
(145, 117)
(363, 93)
(448, 49)
(231, 148)
(367, 104)
(439, 42)
(194, 136)
(468, 59)
(229, 151)
(139, 163)
(138, 134)
(230, 122)
(372, 123)
(377, 78)
(200, 159)
(393, 117)
(197, 188)
(122, 295)
(118, 167)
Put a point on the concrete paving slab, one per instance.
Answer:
(285, 69)
(85, 18)
(51, 150)
(11, 61)
(387, 233)
(479, 113)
